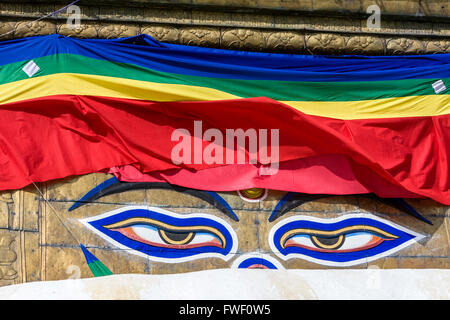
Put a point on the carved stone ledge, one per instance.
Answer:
(291, 26)
(417, 8)
(162, 33)
(241, 38)
(205, 37)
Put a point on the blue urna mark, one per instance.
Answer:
(165, 236)
(256, 262)
(344, 241)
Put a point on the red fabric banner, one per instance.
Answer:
(58, 136)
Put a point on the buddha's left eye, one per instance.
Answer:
(165, 236)
(343, 241)
(348, 239)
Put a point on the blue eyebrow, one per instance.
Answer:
(93, 192)
(113, 185)
(400, 203)
(222, 201)
(277, 211)
(292, 200)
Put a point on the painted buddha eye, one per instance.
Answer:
(343, 241)
(165, 236)
(159, 234)
(349, 239)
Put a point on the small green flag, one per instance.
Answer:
(98, 269)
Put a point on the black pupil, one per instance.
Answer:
(176, 236)
(328, 241)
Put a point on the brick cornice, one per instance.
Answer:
(330, 27)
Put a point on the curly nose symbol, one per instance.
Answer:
(257, 261)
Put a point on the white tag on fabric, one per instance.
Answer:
(31, 68)
(439, 86)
